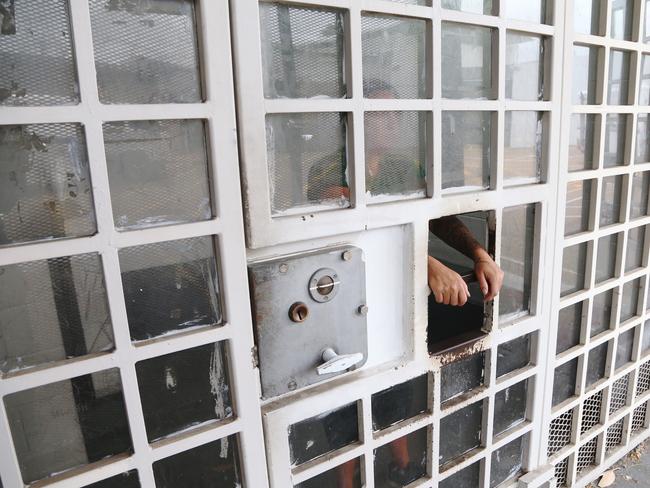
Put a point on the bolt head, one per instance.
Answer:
(346, 256)
(292, 385)
(284, 267)
(363, 309)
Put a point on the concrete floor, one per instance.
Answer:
(633, 471)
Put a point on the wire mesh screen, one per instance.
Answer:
(643, 381)
(302, 51)
(45, 188)
(638, 417)
(591, 409)
(586, 455)
(614, 435)
(307, 161)
(561, 472)
(146, 52)
(618, 394)
(36, 54)
(158, 172)
(560, 432)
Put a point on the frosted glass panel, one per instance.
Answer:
(525, 66)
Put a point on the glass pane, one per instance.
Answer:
(517, 246)
(206, 466)
(585, 75)
(146, 52)
(622, 19)
(36, 54)
(67, 424)
(569, 326)
(582, 142)
(610, 204)
(597, 360)
(507, 462)
(522, 160)
(510, 407)
(606, 260)
(513, 355)
(524, 66)
(474, 6)
(45, 188)
(347, 475)
(324, 433)
(466, 61)
(124, 480)
(640, 205)
(635, 242)
(578, 206)
(564, 381)
(307, 159)
(601, 315)
(400, 402)
(183, 389)
(461, 431)
(402, 461)
(624, 349)
(619, 77)
(645, 344)
(615, 127)
(51, 310)
(170, 286)
(619, 393)
(469, 476)
(642, 153)
(574, 263)
(462, 376)
(158, 172)
(645, 27)
(530, 10)
(394, 57)
(396, 153)
(586, 16)
(302, 51)
(467, 151)
(630, 300)
(644, 89)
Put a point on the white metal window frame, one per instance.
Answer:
(218, 110)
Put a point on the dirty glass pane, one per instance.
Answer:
(466, 61)
(461, 431)
(601, 315)
(324, 433)
(513, 355)
(146, 52)
(36, 54)
(610, 204)
(396, 153)
(467, 151)
(346, 475)
(525, 66)
(394, 57)
(45, 188)
(183, 389)
(585, 75)
(582, 141)
(569, 326)
(644, 88)
(622, 19)
(606, 259)
(469, 476)
(125, 480)
(170, 286)
(564, 381)
(302, 51)
(624, 349)
(510, 407)
(207, 466)
(619, 77)
(522, 159)
(645, 344)
(596, 363)
(307, 161)
(640, 188)
(586, 16)
(400, 402)
(474, 6)
(68, 424)
(51, 310)
(402, 461)
(530, 10)
(574, 263)
(630, 300)
(615, 127)
(644, 33)
(462, 376)
(578, 206)
(158, 172)
(507, 462)
(635, 246)
(517, 246)
(642, 153)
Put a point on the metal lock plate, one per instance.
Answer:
(310, 317)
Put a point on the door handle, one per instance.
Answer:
(335, 363)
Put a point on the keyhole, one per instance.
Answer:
(298, 312)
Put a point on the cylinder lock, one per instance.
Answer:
(324, 284)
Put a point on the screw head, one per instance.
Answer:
(284, 267)
(346, 256)
(292, 385)
(363, 309)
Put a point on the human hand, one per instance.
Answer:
(448, 287)
(489, 275)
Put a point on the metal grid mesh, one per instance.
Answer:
(591, 409)
(586, 455)
(643, 381)
(618, 394)
(614, 435)
(36, 54)
(638, 417)
(146, 52)
(560, 432)
(562, 472)
(45, 188)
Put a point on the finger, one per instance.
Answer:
(462, 298)
(483, 284)
(467, 293)
(454, 298)
(439, 296)
(447, 298)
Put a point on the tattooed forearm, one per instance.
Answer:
(454, 233)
